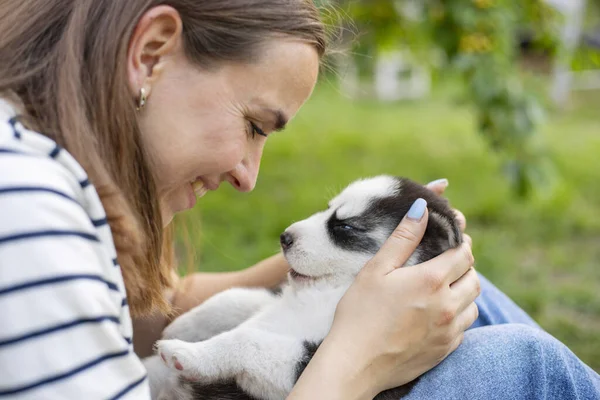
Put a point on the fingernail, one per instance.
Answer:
(443, 182)
(417, 210)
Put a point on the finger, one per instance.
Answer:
(460, 218)
(466, 318)
(438, 186)
(451, 264)
(403, 241)
(467, 289)
(468, 239)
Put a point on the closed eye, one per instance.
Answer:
(344, 226)
(254, 130)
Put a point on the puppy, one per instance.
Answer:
(253, 344)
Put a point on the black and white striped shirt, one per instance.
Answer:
(65, 328)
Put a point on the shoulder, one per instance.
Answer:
(29, 161)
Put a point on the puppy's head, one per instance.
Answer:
(336, 243)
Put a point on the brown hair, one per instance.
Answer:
(65, 60)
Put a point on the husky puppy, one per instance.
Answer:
(253, 344)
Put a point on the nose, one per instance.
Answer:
(243, 176)
(286, 240)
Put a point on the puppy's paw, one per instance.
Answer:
(179, 355)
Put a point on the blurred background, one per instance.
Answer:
(501, 97)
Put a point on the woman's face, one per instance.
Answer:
(202, 127)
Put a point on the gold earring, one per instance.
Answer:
(142, 99)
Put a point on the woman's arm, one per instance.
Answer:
(333, 375)
(195, 288)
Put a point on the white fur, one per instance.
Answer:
(262, 352)
(220, 313)
(355, 198)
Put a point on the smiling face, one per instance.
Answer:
(336, 243)
(201, 127)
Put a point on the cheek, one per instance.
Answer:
(214, 150)
(221, 154)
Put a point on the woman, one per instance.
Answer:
(114, 116)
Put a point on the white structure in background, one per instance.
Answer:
(565, 79)
(397, 77)
(396, 74)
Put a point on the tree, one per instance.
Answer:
(478, 38)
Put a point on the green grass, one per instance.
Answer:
(544, 253)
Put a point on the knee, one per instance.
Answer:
(507, 361)
(517, 342)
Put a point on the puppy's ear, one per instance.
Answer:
(442, 233)
(445, 227)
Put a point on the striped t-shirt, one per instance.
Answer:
(65, 328)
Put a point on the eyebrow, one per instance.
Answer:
(280, 119)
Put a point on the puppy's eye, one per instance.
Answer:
(346, 227)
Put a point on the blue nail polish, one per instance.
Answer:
(417, 210)
(438, 182)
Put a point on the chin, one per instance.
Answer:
(167, 212)
(166, 216)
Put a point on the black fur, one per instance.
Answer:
(353, 239)
(228, 390)
(310, 348)
(352, 234)
(276, 290)
(397, 392)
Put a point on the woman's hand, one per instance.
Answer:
(439, 187)
(394, 324)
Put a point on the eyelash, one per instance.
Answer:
(254, 130)
(344, 225)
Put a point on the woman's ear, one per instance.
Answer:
(156, 36)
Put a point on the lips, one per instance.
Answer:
(298, 276)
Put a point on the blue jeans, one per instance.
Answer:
(506, 355)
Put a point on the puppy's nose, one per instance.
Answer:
(286, 240)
